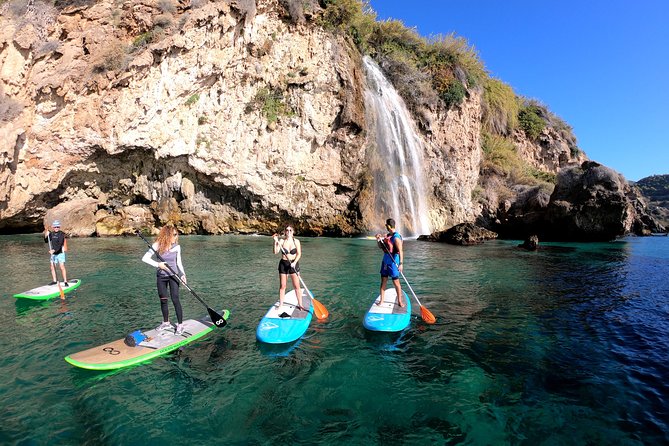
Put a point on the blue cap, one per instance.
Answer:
(56, 224)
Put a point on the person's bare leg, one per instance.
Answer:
(62, 270)
(282, 288)
(298, 291)
(398, 290)
(382, 291)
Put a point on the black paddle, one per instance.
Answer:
(216, 318)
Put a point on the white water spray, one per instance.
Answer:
(396, 164)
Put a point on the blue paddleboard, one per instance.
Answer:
(388, 316)
(285, 323)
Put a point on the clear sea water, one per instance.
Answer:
(567, 345)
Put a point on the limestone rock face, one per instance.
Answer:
(550, 153)
(655, 190)
(77, 217)
(591, 203)
(453, 157)
(224, 120)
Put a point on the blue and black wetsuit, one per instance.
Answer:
(389, 268)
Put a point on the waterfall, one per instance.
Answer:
(396, 165)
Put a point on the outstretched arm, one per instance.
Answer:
(148, 257)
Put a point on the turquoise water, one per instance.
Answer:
(567, 345)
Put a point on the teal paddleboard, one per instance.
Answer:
(388, 316)
(49, 291)
(117, 354)
(285, 323)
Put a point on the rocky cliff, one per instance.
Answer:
(139, 123)
(590, 202)
(228, 116)
(655, 190)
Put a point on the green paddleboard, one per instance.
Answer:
(49, 291)
(117, 354)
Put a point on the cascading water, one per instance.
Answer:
(396, 164)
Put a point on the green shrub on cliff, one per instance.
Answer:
(531, 121)
(271, 104)
(351, 17)
(453, 94)
(456, 55)
(392, 35)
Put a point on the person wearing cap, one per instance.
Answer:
(57, 248)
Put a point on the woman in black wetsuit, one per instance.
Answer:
(291, 251)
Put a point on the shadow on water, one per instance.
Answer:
(387, 342)
(277, 350)
(25, 307)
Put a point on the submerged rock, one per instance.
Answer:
(531, 243)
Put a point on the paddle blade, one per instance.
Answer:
(427, 315)
(216, 318)
(60, 290)
(319, 309)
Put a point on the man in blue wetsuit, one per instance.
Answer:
(393, 257)
(57, 248)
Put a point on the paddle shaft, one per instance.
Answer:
(220, 321)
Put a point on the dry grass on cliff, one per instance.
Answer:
(113, 57)
(500, 107)
(500, 157)
(9, 108)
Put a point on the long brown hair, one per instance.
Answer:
(164, 239)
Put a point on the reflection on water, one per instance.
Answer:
(565, 345)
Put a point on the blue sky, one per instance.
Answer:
(602, 66)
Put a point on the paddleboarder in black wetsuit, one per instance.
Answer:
(291, 251)
(57, 248)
